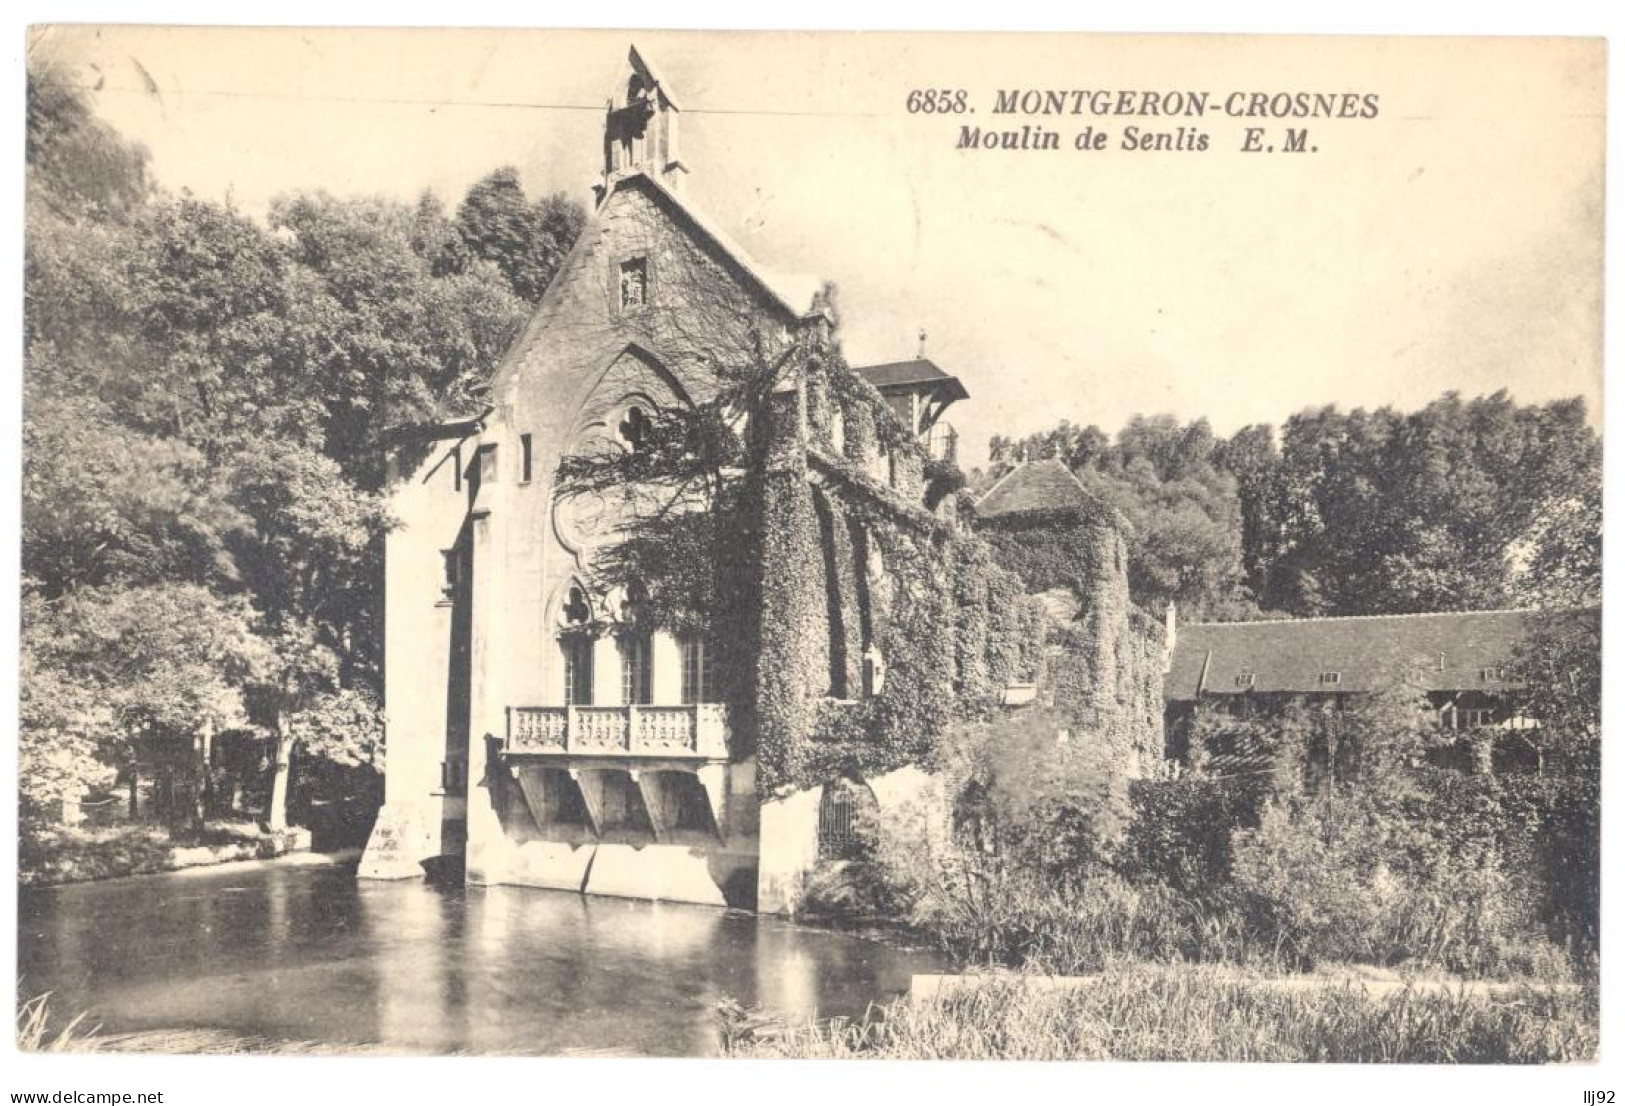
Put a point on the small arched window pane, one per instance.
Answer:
(577, 610)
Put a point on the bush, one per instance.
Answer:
(1181, 830)
(1439, 871)
(1350, 877)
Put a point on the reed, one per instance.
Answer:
(1196, 1013)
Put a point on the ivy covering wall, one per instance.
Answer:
(857, 613)
(858, 575)
(1103, 668)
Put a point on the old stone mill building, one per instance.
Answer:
(557, 720)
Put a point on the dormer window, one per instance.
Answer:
(1491, 675)
(1331, 678)
(1244, 679)
(634, 275)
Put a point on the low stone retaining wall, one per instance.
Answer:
(138, 854)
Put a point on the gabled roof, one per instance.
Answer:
(1036, 486)
(899, 375)
(794, 294)
(637, 63)
(1366, 652)
(437, 431)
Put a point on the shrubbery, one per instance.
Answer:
(1055, 866)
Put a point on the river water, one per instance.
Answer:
(315, 955)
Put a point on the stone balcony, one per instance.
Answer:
(697, 731)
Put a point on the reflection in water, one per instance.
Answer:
(315, 955)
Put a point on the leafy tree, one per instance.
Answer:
(162, 667)
(62, 731)
(78, 165)
(436, 239)
(212, 294)
(299, 693)
(379, 339)
(205, 397)
(1184, 540)
(309, 546)
(306, 558)
(1251, 457)
(1391, 513)
(105, 504)
(526, 240)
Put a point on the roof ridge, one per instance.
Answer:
(1372, 617)
(1066, 468)
(899, 361)
(1000, 481)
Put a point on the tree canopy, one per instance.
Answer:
(1462, 504)
(204, 400)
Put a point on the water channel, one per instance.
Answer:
(284, 953)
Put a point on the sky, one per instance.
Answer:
(1452, 242)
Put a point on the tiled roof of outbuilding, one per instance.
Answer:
(1448, 650)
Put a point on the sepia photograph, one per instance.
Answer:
(810, 545)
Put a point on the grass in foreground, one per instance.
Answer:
(1191, 1014)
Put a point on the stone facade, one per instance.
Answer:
(539, 730)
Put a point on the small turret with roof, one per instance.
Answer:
(640, 128)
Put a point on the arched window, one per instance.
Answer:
(847, 817)
(576, 653)
(575, 646)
